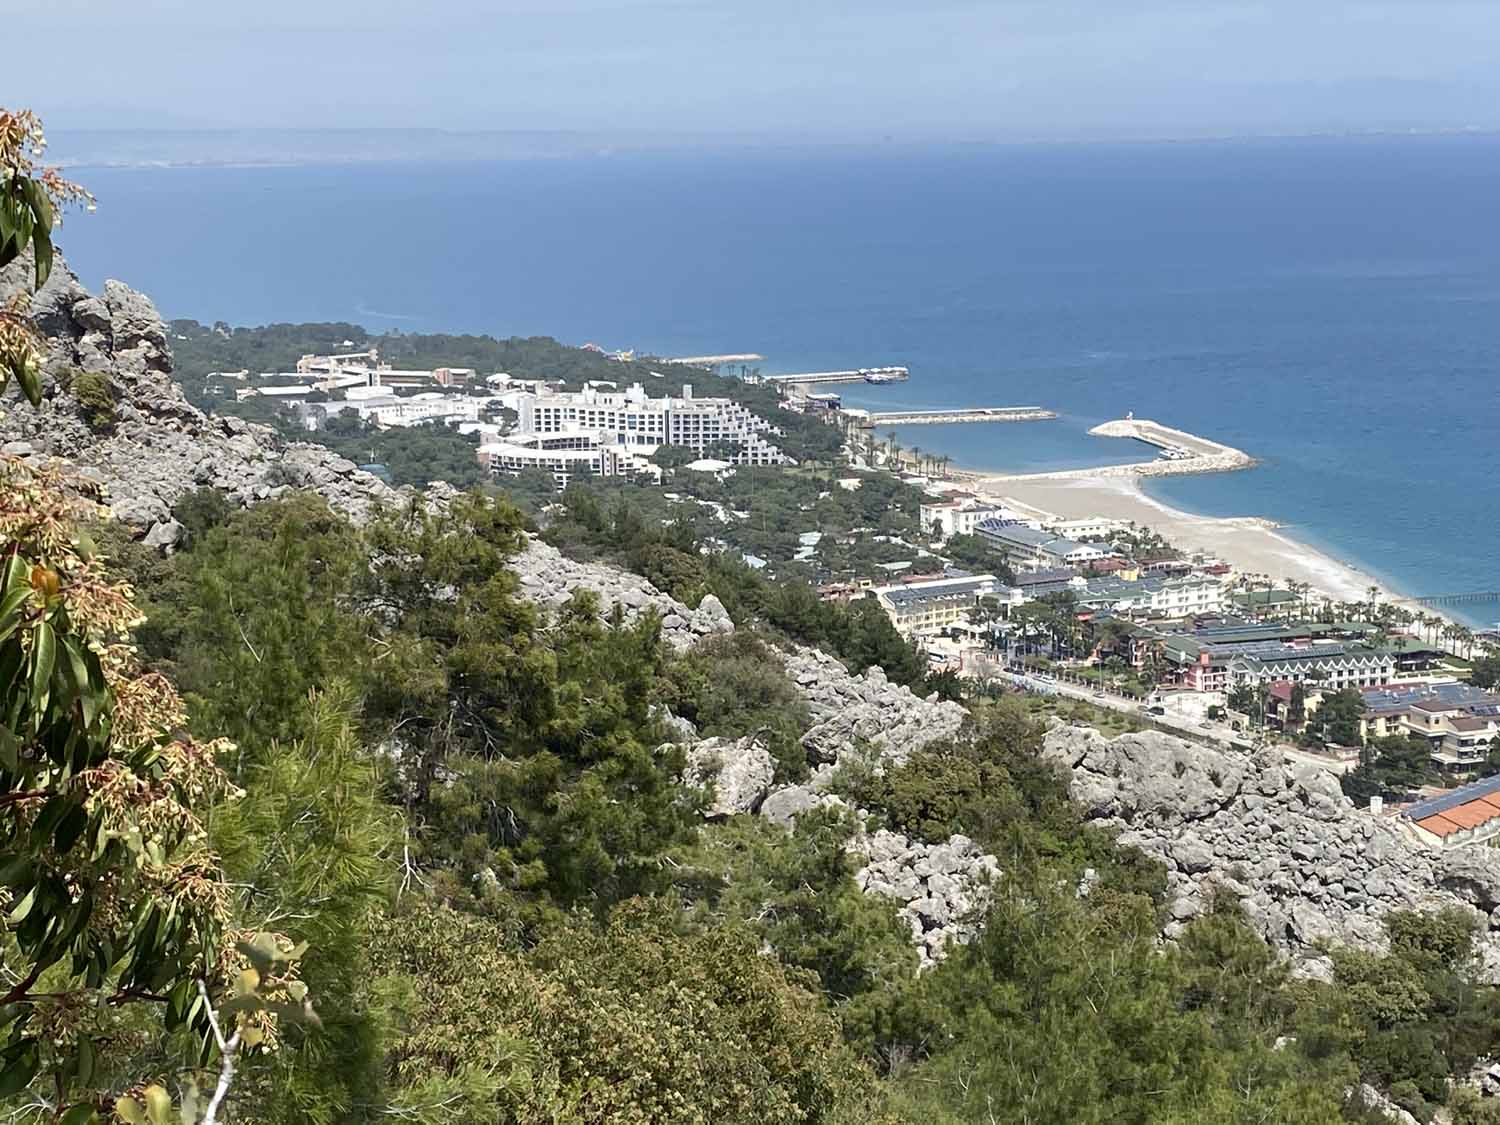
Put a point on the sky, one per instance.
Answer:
(904, 69)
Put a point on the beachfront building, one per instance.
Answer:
(1219, 657)
(933, 604)
(1035, 584)
(1464, 816)
(700, 424)
(1026, 548)
(1097, 527)
(1153, 597)
(565, 454)
(1459, 722)
(1389, 707)
(958, 515)
(1331, 667)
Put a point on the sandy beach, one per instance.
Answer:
(1250, 544)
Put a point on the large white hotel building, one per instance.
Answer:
(700, 424)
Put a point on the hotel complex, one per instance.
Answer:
(699, 424)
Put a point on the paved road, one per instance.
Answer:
(1211, 732)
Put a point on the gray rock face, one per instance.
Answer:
(786, 804)
(739, 770)
(1473, 874)
(1306, 865)
(943, 888)
(161, 446)
(848, 710)
(1367, 1097)
(550, 578)
(165, 536)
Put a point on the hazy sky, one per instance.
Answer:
(905, 68)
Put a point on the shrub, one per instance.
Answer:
(96, 399)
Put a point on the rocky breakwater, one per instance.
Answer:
(137, 435)
(549, 578)
(1308, 868)
(1200, 455)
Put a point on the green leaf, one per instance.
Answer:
(18, 1066)
(70, 828)
(158, 1105)
(15, 871)
(80, 1115)
(41, 244)
(86, 1060)
(12, 605)
(50, 817)
(10, 750)
(17, 573)
(41, 206)
(43, 656)
(22, 908)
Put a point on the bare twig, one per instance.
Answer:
(228, 1056)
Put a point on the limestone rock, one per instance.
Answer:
(784, 805)
(739, 770)
(165, 536)
(1473, 874)
(549, 577)
(943, 888)
(161, 446)
(850, 711)
(1308, 868)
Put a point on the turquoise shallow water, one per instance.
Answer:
(1329, 306)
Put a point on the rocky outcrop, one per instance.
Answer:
(738, 770)
(943, 888)
(157, 446)
(850, 711)
(1307, 867)
(1367, 1098)
(550, 578)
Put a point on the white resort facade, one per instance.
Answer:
(699, 424)
(565, 454)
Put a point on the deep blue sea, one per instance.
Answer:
(1330, 306)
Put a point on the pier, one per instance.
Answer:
(715, 360)
(862, 375)
(1437, 601)
(871, 419)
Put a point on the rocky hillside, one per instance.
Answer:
(1307, 866)
(147, 445)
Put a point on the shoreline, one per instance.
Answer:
(1251, 544)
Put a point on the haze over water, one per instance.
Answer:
(1329, 306)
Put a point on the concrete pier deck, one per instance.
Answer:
(871, 419)
(715, 360)
(860, 375)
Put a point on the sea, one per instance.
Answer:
(1329, 305)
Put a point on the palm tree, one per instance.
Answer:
(1374, 595)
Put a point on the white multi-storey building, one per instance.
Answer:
(958, 516)
(639, 420)
(565, 454)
